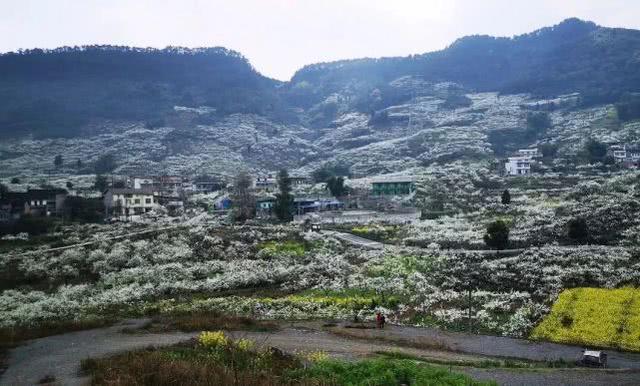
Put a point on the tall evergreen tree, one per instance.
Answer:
(336, 186)
(506, 197)
(244, 201)
(101, 183)
(58, 161)
(283, 207)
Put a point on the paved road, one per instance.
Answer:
(356, 240)
(368, 243)
(60, 355)
(488, 345)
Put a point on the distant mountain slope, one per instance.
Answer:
(56, 92)
(574, 56)
(179, 110)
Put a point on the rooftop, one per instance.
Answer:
(130, 191)
(393, 179)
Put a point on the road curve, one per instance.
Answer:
(60, 356)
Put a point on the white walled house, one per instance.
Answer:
(518, 166)
(126, 202)
(142, 182)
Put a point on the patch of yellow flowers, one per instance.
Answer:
(317, 356)
(594, 317)
(213, 339)
(244, 344)
(217, 339)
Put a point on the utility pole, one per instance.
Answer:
(469, 309)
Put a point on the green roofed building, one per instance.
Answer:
(393, 186)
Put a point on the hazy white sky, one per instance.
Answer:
(280, 36)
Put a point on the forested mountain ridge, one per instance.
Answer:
(56, 92)
(574, 56)
(180, 110)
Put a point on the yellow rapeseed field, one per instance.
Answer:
(595, 317)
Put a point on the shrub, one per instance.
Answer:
(317, 356)
(244, 344)
(578, 229)
(288, 247)
(497, 235)
(212, 339)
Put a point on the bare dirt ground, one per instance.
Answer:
(60, 356)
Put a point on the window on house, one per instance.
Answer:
(147, 201)
(137, 201)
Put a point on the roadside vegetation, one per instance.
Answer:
(214, 359)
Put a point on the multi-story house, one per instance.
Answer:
(267, 183)
(393, 186)
(33, 202)
(518, 166)
(206, 184)
(125, 203)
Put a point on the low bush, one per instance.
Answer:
(239, 363)
(288, 247)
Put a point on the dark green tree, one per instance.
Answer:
(283, 207)
(548, 150)
(69, 185)
(538, 121)
(328, 170)
(596, 151)
(78, 164)
(84, 209)
(58, 161)
(336, 186)
(120, 184)
(101, 183)
(497, 235)
(578, 230)
(244, 201)
(15, 180)
(105, 164)
(506, 197)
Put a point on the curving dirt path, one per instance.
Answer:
(60, 356)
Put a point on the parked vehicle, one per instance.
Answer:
(593, 358)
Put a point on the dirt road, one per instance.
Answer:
(60, 356)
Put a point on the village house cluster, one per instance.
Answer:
(127, 199)
(33, 202)
(626, 155)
